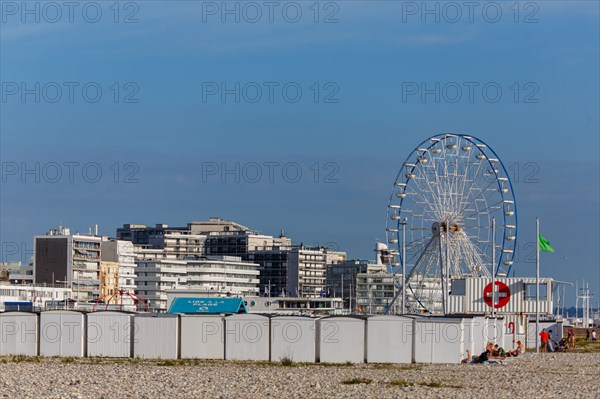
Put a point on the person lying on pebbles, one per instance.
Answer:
(488, 356)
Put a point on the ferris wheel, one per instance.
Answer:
(452, 214)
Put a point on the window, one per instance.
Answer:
(530, 292)
(457, 287)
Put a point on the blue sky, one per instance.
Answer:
(356, 134)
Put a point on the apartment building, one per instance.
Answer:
(70, 259)
(159, 272)
(16, 273)
(154, 276)
(109, 280)
(243, 243)
(122, 253)
(39, 298)
(273, 268)
(307, 272)
(341, 280)
(284, 269)
(375, 290)
(227, 274)
(185, 242)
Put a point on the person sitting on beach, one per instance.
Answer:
(497, 355)
(468, 358)
(487, 355)
(484, 355)
(499, 351)
(519, 351)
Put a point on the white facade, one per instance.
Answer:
(122, 252)
(341, 339)
(307, 272)
(247, 337)
(438, 340)
(202, 337)
(110, 334)
(223, 273)
(181, 244)
(19, 332)
(467, 296)
(157, 275)
(475, 337)
(294, 305)
(62, 333)
(515, 329)
(293, 338)
(156, 337)
(390, 339)
(38, 296)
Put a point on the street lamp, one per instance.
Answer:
(404, 223)
(64, 293)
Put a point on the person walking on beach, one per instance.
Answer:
(544, 338)
(550, 343)
(571, 336)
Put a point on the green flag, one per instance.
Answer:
(544, 245)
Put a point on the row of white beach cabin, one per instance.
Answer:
(332, 339)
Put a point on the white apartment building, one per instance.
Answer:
(227, 274)
(307, 272)
(158, 272)
(154, 276)
(181, 244)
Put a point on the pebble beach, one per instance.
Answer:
(548, 375)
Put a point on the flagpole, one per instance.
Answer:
(343, 304)
(404, 266)
(537, 283)
(493, 267)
